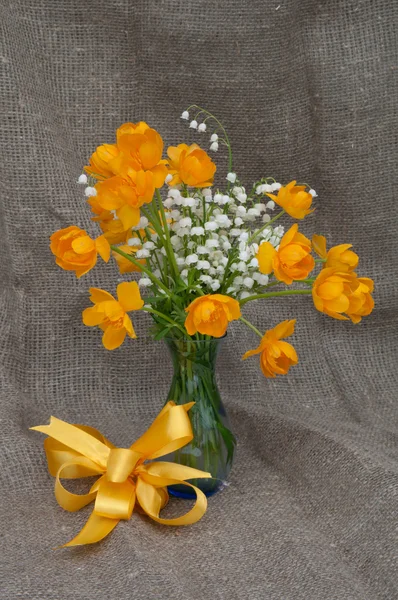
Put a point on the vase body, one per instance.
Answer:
(194, 380)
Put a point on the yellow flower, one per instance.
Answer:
(76, 251)
(276, 356)
(211, 314)
(294, 200)
(129, 128)
(292, 262)
(125, 195)
(111, 315)
(190, 165)
(361, 301)
(114, 231)
(339, 257)
(338, 294)
(111, 227)
(101, 161)
(140, 149)
(125, 265)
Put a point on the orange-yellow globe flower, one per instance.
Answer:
(294, 200)
(361, 301)
(291, 262)
(211, 314)
(190, 165)
(338, 294)
(129, 128)
(339, 257)
(125, 265)
(276, 356)
(125, 195)
(140, 149)
(100, 166)
(111, 314)
(76, 251)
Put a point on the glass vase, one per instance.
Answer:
(194, 380)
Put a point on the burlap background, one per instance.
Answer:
(307, 89)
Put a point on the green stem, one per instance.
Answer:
(228, 143)
(151, 310)
(275, 295)
(154, 221)
(251, 326)
(307, 281)
(273, 283)
(256, 233)
(144, 269)
(169, 247)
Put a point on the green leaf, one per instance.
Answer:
(229, 440)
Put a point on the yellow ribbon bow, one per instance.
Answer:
(75, 451)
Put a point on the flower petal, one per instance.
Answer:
(129, 216)
(265, 256)
(113, 338)
(103, 248)
(283, 329)
(83, 244)
(128, 325)
(252, 352)
(92, 316)
(97, 295)
(128, 294)
(289, 351)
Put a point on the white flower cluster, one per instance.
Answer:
(88, 191)
(202, 127)
(211, 235)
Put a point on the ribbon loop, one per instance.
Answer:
(75, 451)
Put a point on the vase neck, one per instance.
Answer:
(194, 354)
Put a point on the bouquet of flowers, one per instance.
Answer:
(201, 254)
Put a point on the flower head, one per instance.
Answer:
(190, 165)
(111, 314)
(76, 251)
(339, 257)
(100, 166)
(276, 356)
(140, 149)
(82, 179)
(291, 262)
(132, 128)
(211, 314)
(126, 195)
(338, 294)
(125, 265)
(294, 200)
(361, 301)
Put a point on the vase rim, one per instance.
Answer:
(186, 340)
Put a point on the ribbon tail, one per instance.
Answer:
(170, 431)
(165, 471)
(96, 529)
(77, 439)
(149, 499)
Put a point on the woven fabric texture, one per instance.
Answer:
(307, 89)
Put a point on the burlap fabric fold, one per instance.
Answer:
(307, 89)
